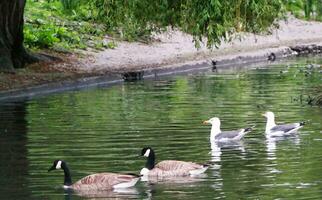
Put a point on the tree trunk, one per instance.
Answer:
(12, 52)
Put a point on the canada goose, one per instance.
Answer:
(168, 168)
(274, 130)
(99, 181)
(221, 136)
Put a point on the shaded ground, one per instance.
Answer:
(38, 73)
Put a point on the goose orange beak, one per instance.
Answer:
(206, 122)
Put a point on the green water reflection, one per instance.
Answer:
(104, 129)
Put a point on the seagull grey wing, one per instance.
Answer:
(285, 127)
(227, 135)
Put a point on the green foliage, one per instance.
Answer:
(218, 19)
(213, 19)
(70, 4)
(47, 35)
(82, 23)
(50, 25)
(309, 9)
(129, 20)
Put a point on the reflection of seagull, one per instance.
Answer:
(217, 150)
(271, 148)
(272, 141)
(217, 135)
(218, 147)
(274, 130)
(238, 145)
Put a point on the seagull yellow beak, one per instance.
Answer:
(263, 114)
(206, 122)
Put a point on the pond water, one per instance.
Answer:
(104, 129)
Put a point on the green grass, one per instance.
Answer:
(50, 26)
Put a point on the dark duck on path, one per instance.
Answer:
(99, 181)
(169, 168)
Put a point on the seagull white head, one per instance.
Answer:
(215, 128)
(270, 120)
(269, 115)
(215, 121)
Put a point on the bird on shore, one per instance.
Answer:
(99, 181)
(169, 168)
(274, 130)
(222, 136)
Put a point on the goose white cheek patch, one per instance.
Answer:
(147, 153)
(58, 166)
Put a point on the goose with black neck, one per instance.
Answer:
(169, 168)
(98, 181)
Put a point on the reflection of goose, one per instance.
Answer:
(171, 185)
(169, 168)
(217, 135)
(125, 193)
(274, 130)
(174, 180)
(100, 181)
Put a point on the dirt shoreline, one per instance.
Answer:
(172, 52)
(175, 47)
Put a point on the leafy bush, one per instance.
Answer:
(309, 9)
(83, 23)
(210, 18)
(48, 25)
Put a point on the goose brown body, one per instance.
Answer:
(95, 182)
(101, 181)
(169, 168)
(174, 168)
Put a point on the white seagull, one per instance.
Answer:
(223, 136)
(274, 130)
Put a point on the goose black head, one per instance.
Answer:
(146, 151)
(149, 153)
(56, 165)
